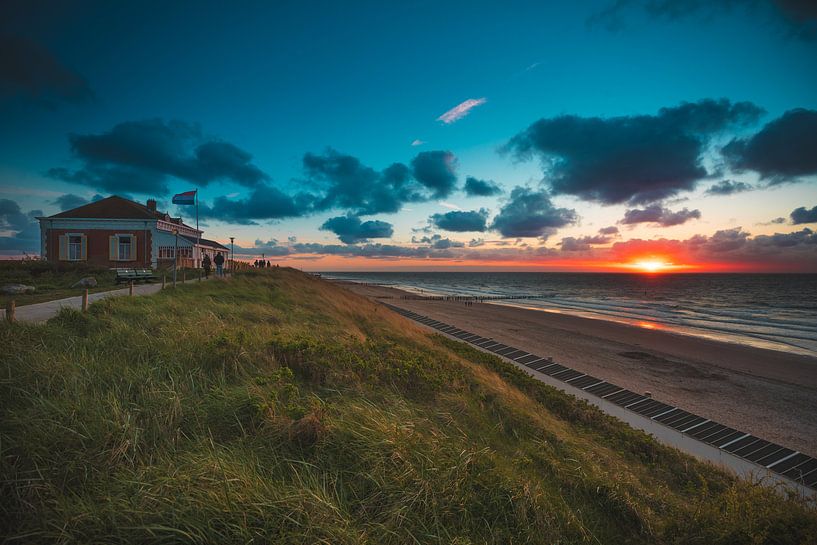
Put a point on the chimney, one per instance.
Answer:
(151, 205)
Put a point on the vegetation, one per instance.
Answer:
(279, 408)
(51, 280)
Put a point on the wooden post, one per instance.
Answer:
(174, 278)
(85, 301)
(164, 278)
(184, 276)
(130, 289)
(10, 308)
(199, 275)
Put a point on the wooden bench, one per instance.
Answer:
(134, 275)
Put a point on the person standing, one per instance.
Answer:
(206, 264)
(219, 261)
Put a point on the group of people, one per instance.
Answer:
(261, 264)
(207, 264)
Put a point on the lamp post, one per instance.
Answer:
(232, 252)
(175, 256)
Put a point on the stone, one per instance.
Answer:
(87, 282)
(17, 289)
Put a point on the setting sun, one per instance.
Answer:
(650, 266)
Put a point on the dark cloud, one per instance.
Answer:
(265, 202)
(23, 228)
(782, 151)
(140, 156)
(728, 187)
(659, 215)
(69, 201)
(638, 159)
(344, 182)
(436, 170)
(374, 251)
(531, 213)
(481, 188)
(612, 230)
(804, 215)
(351, 230)
(798, 17)
(438, 242)
(460, 221)
(31, 72)
(573, 244)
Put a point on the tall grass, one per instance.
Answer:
(277, 408)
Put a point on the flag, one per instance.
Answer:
(188, 197)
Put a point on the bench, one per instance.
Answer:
(134, 275)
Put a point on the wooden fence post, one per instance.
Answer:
(164, 279)
(199, 275)
(10, 308)
(85, 301)
(130, 289)
(184, 276)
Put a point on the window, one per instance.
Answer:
(122, 248)
(125, 248)
(74, 247)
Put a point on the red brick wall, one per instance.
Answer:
(98, 246)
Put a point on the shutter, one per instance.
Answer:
(84, 249)
(63, 248)
(133, 251)
(112, 248)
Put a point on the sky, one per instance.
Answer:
(606, 135)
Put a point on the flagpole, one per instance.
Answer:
(198, 233)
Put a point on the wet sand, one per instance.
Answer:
(767, 393)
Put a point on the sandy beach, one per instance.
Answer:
(768, 393)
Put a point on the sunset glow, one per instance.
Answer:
(651, 265)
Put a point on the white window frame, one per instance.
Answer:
(74, 248)
(119, 246)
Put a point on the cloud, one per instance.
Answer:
(459, 221)
(481, 188)
(438, 242)
(804, 215)
(637, 159)
(461, 110)
(728, 187)
(612, 230)
(69, 201)
(417, 142)
(140, 157)
(659, 215)
(342, 181)
(798, 17)
(531, 213)
(351, 230)
(265, 202)
(31, 72)
(23, 228)
(784, 150)
(731, 248)
(436, 170)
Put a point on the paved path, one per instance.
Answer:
(41, 312)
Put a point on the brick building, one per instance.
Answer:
(117, 232)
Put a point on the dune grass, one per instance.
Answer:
(52, 280)
(278, 408)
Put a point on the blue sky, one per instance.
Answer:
(279, 80)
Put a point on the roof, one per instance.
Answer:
(116, 207)
(205, 242)
(113, 207)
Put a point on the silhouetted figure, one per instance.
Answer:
(219, 261)
(206, 264)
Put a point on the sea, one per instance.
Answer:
(772, 311)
